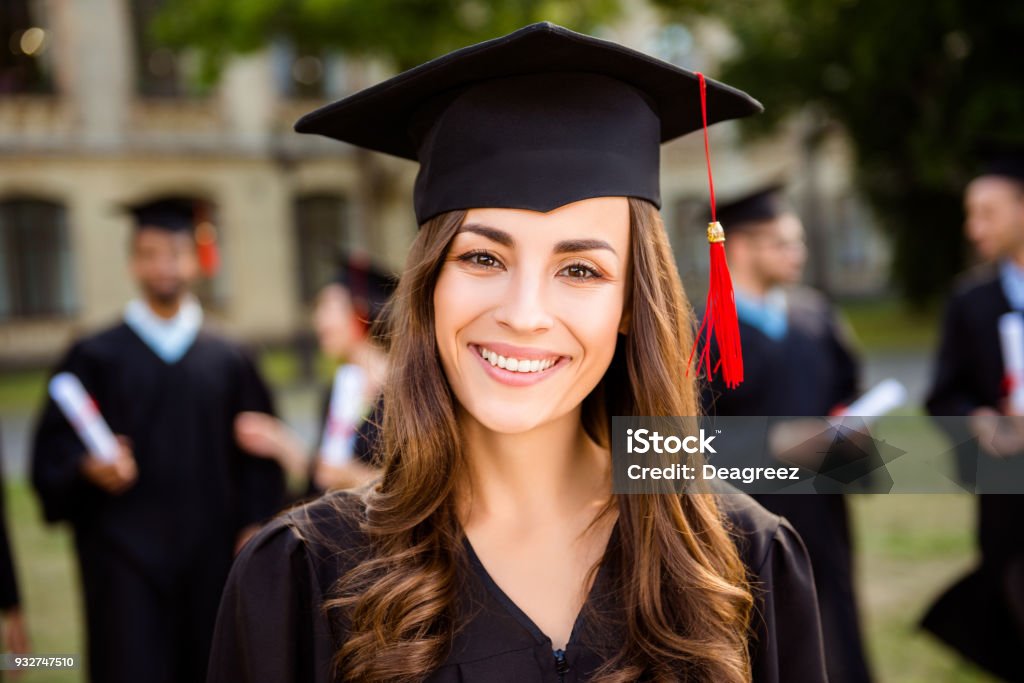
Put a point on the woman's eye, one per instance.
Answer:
(480, 258)
(581, 271)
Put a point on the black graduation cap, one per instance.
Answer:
(368, 285)
(174, 214)
(1002, 158)
(764, 204)
(536, 119)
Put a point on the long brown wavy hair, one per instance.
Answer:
(684, 603)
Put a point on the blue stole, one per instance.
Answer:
(169, 338)
(767, 313)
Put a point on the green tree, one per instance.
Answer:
(407, 32)
(915, 83)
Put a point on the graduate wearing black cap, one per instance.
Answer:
(156, 528)
(491, 547)
(798, 361)
(982, 615)
(347, 319)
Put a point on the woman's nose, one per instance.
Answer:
(524, 307)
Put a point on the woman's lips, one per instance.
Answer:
(517, 378)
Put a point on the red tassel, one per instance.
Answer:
(720, 322)
(206, 248)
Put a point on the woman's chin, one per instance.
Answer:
(503, 421)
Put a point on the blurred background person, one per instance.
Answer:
(798, 360)
(156, 528)
(982, 615)
(350, 333)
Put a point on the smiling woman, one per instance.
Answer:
(538, 300)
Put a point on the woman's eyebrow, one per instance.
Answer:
(568, 246)
(499, 236)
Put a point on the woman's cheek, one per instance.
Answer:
(595, 324)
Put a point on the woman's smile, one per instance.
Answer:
(517, 366)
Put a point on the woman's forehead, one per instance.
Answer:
(604, 217)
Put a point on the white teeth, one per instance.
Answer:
(516, 364)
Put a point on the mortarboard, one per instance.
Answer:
(537, 119)
(175, 214)
(180, 215)
(534, 120)
(764, 204)
(1002, 158)
(369, 286)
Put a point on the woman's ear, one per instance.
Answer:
(626, 320)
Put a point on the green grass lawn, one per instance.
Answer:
(910, 548)
(48, 581)
(889, 325)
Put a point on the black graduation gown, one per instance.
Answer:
(976, 615)
(808, 372)
(270, 628)
(153, 560)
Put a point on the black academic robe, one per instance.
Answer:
(982, 615)
(153, 559)
(812, 370)
(270, 628)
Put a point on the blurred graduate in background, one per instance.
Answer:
(156, 527)
(982, 615)
(798, 360)
(346, 316)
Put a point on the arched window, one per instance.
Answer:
(322, 229)
(36, 276)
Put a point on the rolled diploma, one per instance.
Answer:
(80, 410)
(885, 396)
(343, 412)
(1011, 336)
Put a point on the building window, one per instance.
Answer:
(307, 74)
(36, 277)
(322, 228)
(159, 70)
(25, 51)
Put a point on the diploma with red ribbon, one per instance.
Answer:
(81, 411)
(1011, 337)
(343, 414)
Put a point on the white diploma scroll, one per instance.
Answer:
(343, 415)
(1011, 337)
(882, 398)
(80, 410)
